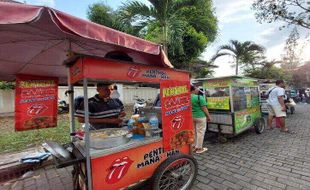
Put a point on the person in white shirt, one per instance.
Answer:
(276, 106)
(115, 94)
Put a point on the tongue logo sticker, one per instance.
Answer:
(118, 169)
(36, 109)
(133, 72)
(177, 122)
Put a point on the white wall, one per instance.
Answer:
(7, 101)
(142, 92)
(7, 97)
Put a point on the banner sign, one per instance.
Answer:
(218, 103)
(129, 166)
(246, 118)
(237, 82)
(105, 70)
(216, 83)
(176, 114)
(35, 102)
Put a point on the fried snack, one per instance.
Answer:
(40, 122)
(182, 138)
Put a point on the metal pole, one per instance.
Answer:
(231, 99)
(87, 150)
(71, 105)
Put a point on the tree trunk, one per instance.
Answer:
(165, 36)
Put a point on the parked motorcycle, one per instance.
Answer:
(139, 103)
(290, 106)
(63, 107)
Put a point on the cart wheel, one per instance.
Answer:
(176, 173)
(259, 125)
(222, 139)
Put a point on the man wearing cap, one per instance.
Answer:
(104, 112)
(276, 106)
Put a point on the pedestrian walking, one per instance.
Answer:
(200, 117)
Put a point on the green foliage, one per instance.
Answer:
(271, 73)
(293, 12)
(201, 17)
(7, 85)
(267, 70)
(184, 27)
(194, 44)
(101, 14)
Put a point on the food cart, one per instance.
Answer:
(36, 41)
(166, 160)
(233, 103)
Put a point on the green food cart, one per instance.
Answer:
(234, 105)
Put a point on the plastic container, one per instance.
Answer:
(130, 124)
(142, 118)
(153, 121)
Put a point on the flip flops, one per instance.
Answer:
(288, 131)
(200, 151)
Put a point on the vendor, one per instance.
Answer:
(104, 112)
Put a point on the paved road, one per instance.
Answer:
(272, 160)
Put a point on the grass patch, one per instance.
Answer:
(11, 141)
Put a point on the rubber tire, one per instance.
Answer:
(158, 172)
(259, 121)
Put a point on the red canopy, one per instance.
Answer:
(35, 40)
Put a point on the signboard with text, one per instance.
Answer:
(176, 114)
(35, 102)
(103, 69)
(130, 166)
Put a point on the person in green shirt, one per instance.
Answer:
(200, 117)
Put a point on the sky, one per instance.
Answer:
(236, 21)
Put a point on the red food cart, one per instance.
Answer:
(166, 160)
(36, 41)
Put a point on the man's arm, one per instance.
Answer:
(205, 109)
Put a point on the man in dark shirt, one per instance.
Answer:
(104, 112)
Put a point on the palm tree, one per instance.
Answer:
(243, 52)
(162, 13)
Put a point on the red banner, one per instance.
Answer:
(104, 69)
(176, 114)
(35, 102)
